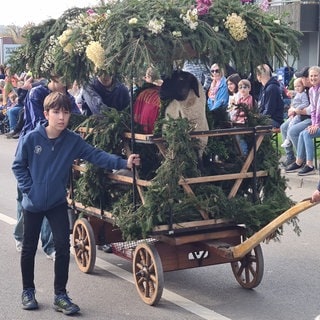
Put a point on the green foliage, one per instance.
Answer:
(166, 201)
(123, 30)
(93, 188)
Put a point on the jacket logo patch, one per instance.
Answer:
(37, 149)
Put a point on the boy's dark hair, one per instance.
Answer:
(57, 100)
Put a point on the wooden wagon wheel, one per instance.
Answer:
(84, 245)
(249, 270)
(148, 273)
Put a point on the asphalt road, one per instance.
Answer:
(289, 289)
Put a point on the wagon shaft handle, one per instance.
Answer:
(245, 247)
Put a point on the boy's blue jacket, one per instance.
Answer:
(42, 166)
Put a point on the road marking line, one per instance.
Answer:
(7, 219)
(172, 297)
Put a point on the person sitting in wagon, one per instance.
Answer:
(147, 103)
(102, 92)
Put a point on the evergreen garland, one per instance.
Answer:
(136, 33)
(165, 200)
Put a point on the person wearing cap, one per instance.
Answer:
(305, 149)
(292, 133)
(270, 101)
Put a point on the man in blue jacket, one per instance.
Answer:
(270, 101)
(42, 166)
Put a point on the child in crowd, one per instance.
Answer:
(232, 83)
(299, 102)
(238, 115)
(13, 111)
(42, 166)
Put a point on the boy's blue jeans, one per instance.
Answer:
(59, 222)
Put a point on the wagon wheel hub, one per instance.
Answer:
(144, 273)
(80, 244)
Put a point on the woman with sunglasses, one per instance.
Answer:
(218, 93)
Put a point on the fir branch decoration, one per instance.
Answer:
(137, 33)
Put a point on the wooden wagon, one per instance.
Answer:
(183, 245)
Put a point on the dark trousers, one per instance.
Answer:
(20, 122)
(59, 222)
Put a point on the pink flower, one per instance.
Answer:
(203, 6)
(264, 6)
(207, 2)
(90, 12)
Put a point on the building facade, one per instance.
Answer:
(304, 16)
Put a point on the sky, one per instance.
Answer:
(19, 12)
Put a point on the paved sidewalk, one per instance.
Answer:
(301, 187)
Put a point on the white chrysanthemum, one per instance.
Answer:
(95, 53)
(156, 25)
(190, 18)
(133, 21)
(177, 34)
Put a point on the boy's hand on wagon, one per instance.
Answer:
(134, 159)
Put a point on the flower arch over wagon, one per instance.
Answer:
(125, 36)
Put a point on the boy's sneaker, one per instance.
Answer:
(293, 167)
(63, 304)
(306, 170)
(28, 298)
(286, 143)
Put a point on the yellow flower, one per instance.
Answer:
(237, 27)
(64, 38)
(68, 48)
(95, 53)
